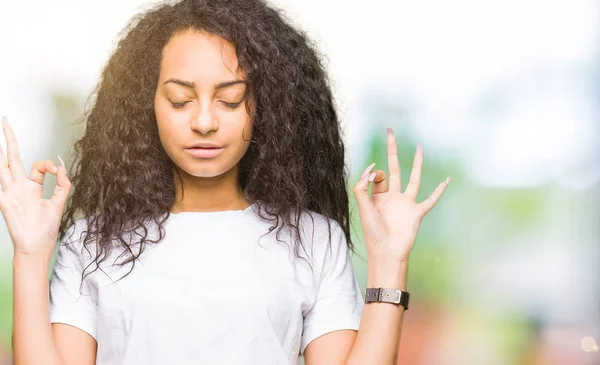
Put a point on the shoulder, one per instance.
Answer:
(315, 231)
(74, 235)
(322, 234)
(75, 243)
(313, 226)
(319, 225)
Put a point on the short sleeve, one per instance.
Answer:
(339, 302)
(70, 301)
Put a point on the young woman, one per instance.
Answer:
(209, 220)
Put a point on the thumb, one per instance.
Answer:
(361, 192)
(62, 188)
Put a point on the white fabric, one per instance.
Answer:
(210, 292)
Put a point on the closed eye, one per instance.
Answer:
(179, 105)
(228, 105)
(231, 105)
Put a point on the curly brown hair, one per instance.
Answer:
(122, 178)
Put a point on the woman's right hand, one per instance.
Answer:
(32, 221)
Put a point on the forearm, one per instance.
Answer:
(378, 337)
(32, 332)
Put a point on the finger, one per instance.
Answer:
(394, 172)
(39, 170)
(5, 176)
(361, 192)
(435, 196)
(412, 189)
(379, 183)
(12, 151)
(62, 188)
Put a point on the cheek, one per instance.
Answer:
(165, 124)
(246, 126)
(248, 131)
(236, 127)
(243, 136)
(160, 114)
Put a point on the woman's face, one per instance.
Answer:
(200, 98)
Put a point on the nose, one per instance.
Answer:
(204, 121)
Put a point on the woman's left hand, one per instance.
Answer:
(390, 220)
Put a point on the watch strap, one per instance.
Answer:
(387, 296)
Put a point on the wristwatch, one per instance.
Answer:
(388, 296)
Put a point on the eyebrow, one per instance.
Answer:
(192, 85)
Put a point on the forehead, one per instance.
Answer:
(199, 56)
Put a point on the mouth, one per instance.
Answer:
(204, 152)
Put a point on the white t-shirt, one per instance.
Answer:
(210, 292)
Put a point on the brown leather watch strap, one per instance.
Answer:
(388, 296)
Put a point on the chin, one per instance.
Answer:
(210, 169)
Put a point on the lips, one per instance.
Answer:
(205, 152)
(205, 145)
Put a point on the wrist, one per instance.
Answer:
(387, 276)
(32, 256)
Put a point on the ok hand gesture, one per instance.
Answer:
(390, 220)
(32, 221)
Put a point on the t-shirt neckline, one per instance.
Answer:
(218, 212)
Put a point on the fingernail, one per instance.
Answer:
(420, 146)
(62, 162)
(4, 120)
(364, 174)
(372, 176)
(448, 180)
(390, 131)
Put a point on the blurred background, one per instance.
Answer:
(503, 94)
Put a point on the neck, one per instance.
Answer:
(209, 194)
